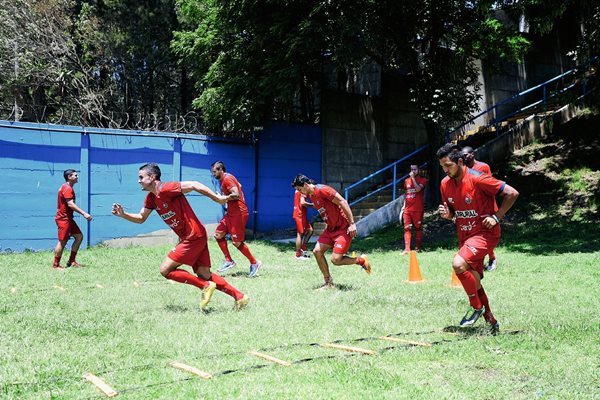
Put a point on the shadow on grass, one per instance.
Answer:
(176, 308)
(337, 286)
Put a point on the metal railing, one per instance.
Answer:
(549, 90)
(394, 167)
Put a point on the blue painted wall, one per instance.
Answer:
(33, 157)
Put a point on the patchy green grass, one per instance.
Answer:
(119, 319)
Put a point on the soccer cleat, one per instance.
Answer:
(241, 303)
(405, 252)
(367, 266)
(305, 254)
(58, 267)
(74, 264)
(491, 265)
(494, 329)
(471, 317)
(207, 293)
(227, 265)
(302, 257)
(254, 269)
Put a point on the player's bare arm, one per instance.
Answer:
(233, 193)
(338, 200)
(76, 208)
(418, 186)
(305, 203)
(189, 186)
(509, 196)
(139, 218)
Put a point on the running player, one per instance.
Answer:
(336, 213)
(169, 201)
(414, 208)
(468, 200)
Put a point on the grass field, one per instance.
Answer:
(120, 320)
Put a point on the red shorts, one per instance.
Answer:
(302, 224)
(192, 252)
(475, 248)
(413, 219)
(235, 225)
(66, 228)
(339, 240)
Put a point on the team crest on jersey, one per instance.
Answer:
(165, 205)
(468, 200)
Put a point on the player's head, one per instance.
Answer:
(218, 169)
(414, 168)
(301, 183)
(451, 160)
(468, 156)
(70, 174)
(148, 174)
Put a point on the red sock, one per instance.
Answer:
(57, 260)
(246, 252)
(304, 247)
(182, 276)
(469, 283)
(491, 255)
(223, 245)
(298, 253)
(360, 261)
(407, 238)
(419, 237)
(489, 317)
(225, 287)
(72, 257)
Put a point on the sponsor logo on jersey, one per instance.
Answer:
(465, 214)
(167, 215)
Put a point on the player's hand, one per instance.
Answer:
(117, 210)
(352, 232)
(444, 211)
(412, 174)
(222, 199)
(87, 216)
(489, 222)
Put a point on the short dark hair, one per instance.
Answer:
(151, 168)
(218, 165)
(301, 179)
(68, 173)
(467, 150)
(450, 150)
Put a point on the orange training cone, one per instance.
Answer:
(414, 272)
(455, 281)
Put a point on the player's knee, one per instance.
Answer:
(459, 265)
(237, 244)
(164, 271)
(204, 274)
(219, 235)
(317, 253)
(408, 227)
(336, 259)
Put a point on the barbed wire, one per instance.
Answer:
(188, 123)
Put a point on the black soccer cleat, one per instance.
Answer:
(471, 317)
(494, 329)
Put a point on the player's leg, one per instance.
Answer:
(78, 236)
(299, 237)
(418, 225)
(491, 265)
(63, 237)
(319, 253)
(237, 230)
(342, 242)
(308, 232)
(186, 252)
(220, 232)
(407, 231)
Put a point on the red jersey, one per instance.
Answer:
(173, 207)
(331, 213)
(482, 167)
(472, 199)
(413, 200)
(65, 194)
(299, 210)
(234, 207)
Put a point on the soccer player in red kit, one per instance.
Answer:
(414, 208)
(169, 201)
(471, 162)
(65, 205)
(234, 221)
(336, 213)
(468, 200)
(303, 228)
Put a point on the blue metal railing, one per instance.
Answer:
(452, 134)
(394, 182)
